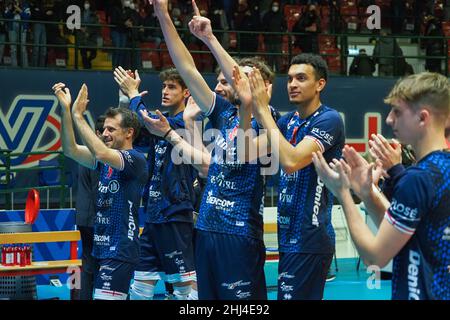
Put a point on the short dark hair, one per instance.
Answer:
(129, 119)
(172, 74)
(316, 61)
(99, 123)
(259, 63)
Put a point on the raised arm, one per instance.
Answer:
(99, 150)
(71, 149)
(182, 58)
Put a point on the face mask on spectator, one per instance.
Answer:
(275, 8)
(132, 6)
(126, 4)
(87, 6)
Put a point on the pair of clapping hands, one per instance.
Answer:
(354, 172)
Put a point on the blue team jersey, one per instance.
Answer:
(169, 194)
(232, 200)
(119, 194)
(420, 207)
(304, 203)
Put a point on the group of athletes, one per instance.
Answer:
(223, 256)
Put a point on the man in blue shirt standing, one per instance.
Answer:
(123, 174)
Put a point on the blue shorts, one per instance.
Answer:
(112, 279)
(166, 252)
(229, 267)
(302, 276)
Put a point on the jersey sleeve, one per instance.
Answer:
(218, 106)
(411, 200)
(326, 130)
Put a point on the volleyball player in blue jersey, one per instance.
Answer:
(123, 174)
(306, 238)
(230, 252)
(414, 227)
(167, 251)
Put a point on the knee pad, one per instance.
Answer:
(141, 291)
(181, 293)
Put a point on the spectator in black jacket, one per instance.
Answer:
(274, 21)
(309, 23)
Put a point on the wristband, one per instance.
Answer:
(167, 133)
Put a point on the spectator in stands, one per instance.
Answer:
(2, 30)
(55, 12)
(398, 15)
(335, 16)
(433, 47)
(220, 25)
(362, 65)
(274, 21)
(248, 42)
(308, 23)
(418, 9)
(17, 31)
(88, 34)
(385, 49)
(134, 39)
(119, 32)
(446, 10)
(39, 54)
(152, 31)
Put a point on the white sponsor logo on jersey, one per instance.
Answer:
(322, 134)
(317, 198)
(219, 203)
(413, 275)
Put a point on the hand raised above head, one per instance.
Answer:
(63, 94)
(80, 104)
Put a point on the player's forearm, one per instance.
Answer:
(196, 157)
(291, 158)
(93, 143)
(361, 235)
(68, 141)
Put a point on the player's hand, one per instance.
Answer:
(382, 150)
(242, 85)
(335, 176)
(200, 26)
(260, 98)
(128, 85)
(63, 95)
(158, 127)
(362, 175)
(80, 104)
(159, 6)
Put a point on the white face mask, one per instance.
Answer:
(87, 6)
(275, 8)
(132, 6)
(126, 3)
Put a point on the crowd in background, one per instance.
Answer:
(33, 43)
